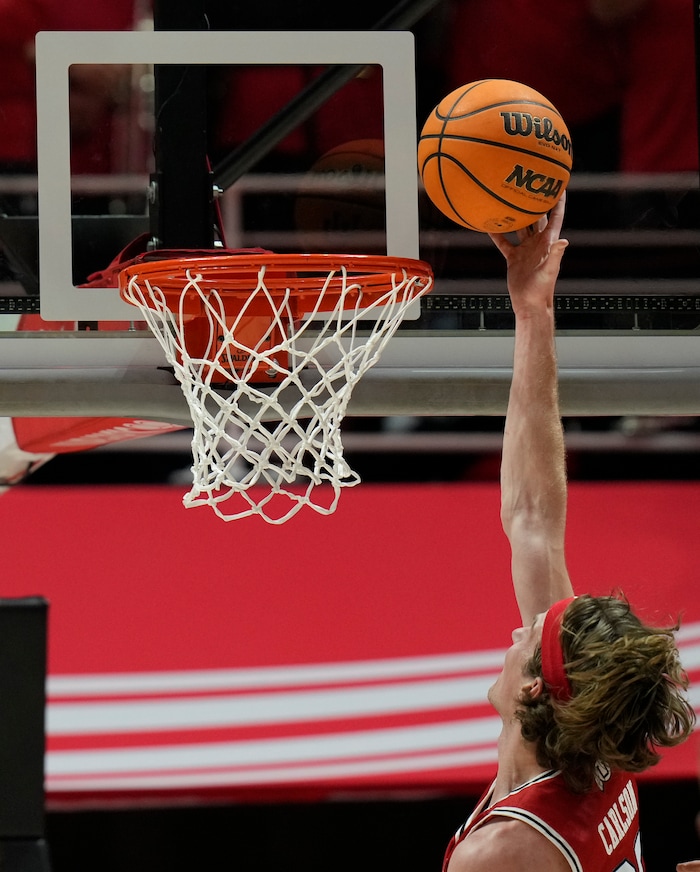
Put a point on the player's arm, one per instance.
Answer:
(533, 467)
(504, 845)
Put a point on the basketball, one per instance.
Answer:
(494, 155)
(360, 205)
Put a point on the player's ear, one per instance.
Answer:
(534, 688)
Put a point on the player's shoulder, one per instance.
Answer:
(504, 845)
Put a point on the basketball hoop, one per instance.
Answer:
(267, 349)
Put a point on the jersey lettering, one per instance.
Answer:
(618, 819)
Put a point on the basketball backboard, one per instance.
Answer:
(629, 304)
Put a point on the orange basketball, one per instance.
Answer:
(494, 155)
(359, 206)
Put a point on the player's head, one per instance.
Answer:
(614, 691)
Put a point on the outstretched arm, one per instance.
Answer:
(533, 467)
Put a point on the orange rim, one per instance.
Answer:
(303, 273)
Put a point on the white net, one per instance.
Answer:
(270, 449)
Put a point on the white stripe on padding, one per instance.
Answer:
(110, 684)
(285, 750)
(127, 716)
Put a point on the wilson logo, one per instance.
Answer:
(535, 183)
(524, 124)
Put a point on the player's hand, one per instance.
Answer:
(533, 263)
(690, 866)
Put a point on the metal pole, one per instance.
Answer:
(245, 156)
(181, 194)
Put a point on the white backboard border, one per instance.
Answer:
(57, 51)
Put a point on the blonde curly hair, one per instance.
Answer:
(628, 698)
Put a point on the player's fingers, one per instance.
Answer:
(556, 252)
(556, 218)
(501, 243)
(531, 229)
(539, 225)
(551, 262)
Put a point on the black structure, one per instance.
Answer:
(182, 199)
(23, 630)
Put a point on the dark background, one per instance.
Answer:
(346, 836)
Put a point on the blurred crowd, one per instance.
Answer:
(621, 72)
(95, 93)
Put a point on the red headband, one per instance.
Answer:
(552, 655)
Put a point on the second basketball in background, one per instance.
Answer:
(356, 201)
